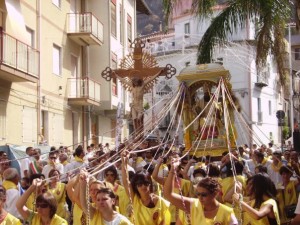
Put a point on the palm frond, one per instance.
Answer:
(203, 8)
(228, 21)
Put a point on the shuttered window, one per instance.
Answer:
(29, 122)
(56, 60)
(57, 129)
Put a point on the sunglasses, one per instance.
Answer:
(53, 158)
(140, 184)
(42, 205)
(202, 194)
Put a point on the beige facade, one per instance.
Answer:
(52, 56)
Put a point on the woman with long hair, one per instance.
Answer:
(58, 189)
(103, 212)
(148, 208)
(46, 206)
(205, 209)
(262, 207)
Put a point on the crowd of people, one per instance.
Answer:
(151, 186)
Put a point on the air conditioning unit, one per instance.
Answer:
(262, 79)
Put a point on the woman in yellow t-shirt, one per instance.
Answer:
(262, 208)
(104, 211)
(205, 209)
(148, 208)
(46, 206)
(58, 190)
(5, 217)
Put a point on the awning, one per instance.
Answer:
(15, 25)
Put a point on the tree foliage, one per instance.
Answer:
(270, 17)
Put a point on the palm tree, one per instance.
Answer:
(270, 17)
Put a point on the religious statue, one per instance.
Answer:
(137, 74)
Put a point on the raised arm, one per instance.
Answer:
(82, 195)
(73, 190)
(255, 214)
(179, 201)
(125, 178)
(155, 176)
(20, 204)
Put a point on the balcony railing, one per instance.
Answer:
(85, 23)
(84, 88)
(18, 55)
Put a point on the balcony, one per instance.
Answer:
(18, 61)
(85, 29)
(83, 92)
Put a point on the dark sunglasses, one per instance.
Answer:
(140, 184)
(42, 205)
(202, 194)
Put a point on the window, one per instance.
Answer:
(187, 28)
(44, 127)
(57, 128)
(57, 3)
(297, 53)
(30, 33)
(270, 108)
(2, 120)
(29, 125)
(129, 29)
(258, 104)
(56, 60)
(74, 65)
(114, 65)
(121, 25)
(113, 18)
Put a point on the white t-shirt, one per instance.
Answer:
(12, 195)
(48, 168)
(116, 220)
(25, 166)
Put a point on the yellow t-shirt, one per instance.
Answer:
(35, 219)
(248, 220)
(60, 195)
(223, 216)
(228, 182)
(97, 219)
(77, 214)
(10, 220)
(151, 216)
(124, 201)
(182, 217)
(289, 198)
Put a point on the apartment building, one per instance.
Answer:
(52, 55)
(260, 94)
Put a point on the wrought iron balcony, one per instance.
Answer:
(85, 29)
(83, 91)
(19, 62)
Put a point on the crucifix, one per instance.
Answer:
(138, 73)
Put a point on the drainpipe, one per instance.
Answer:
(38, 7)
(249, 87)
